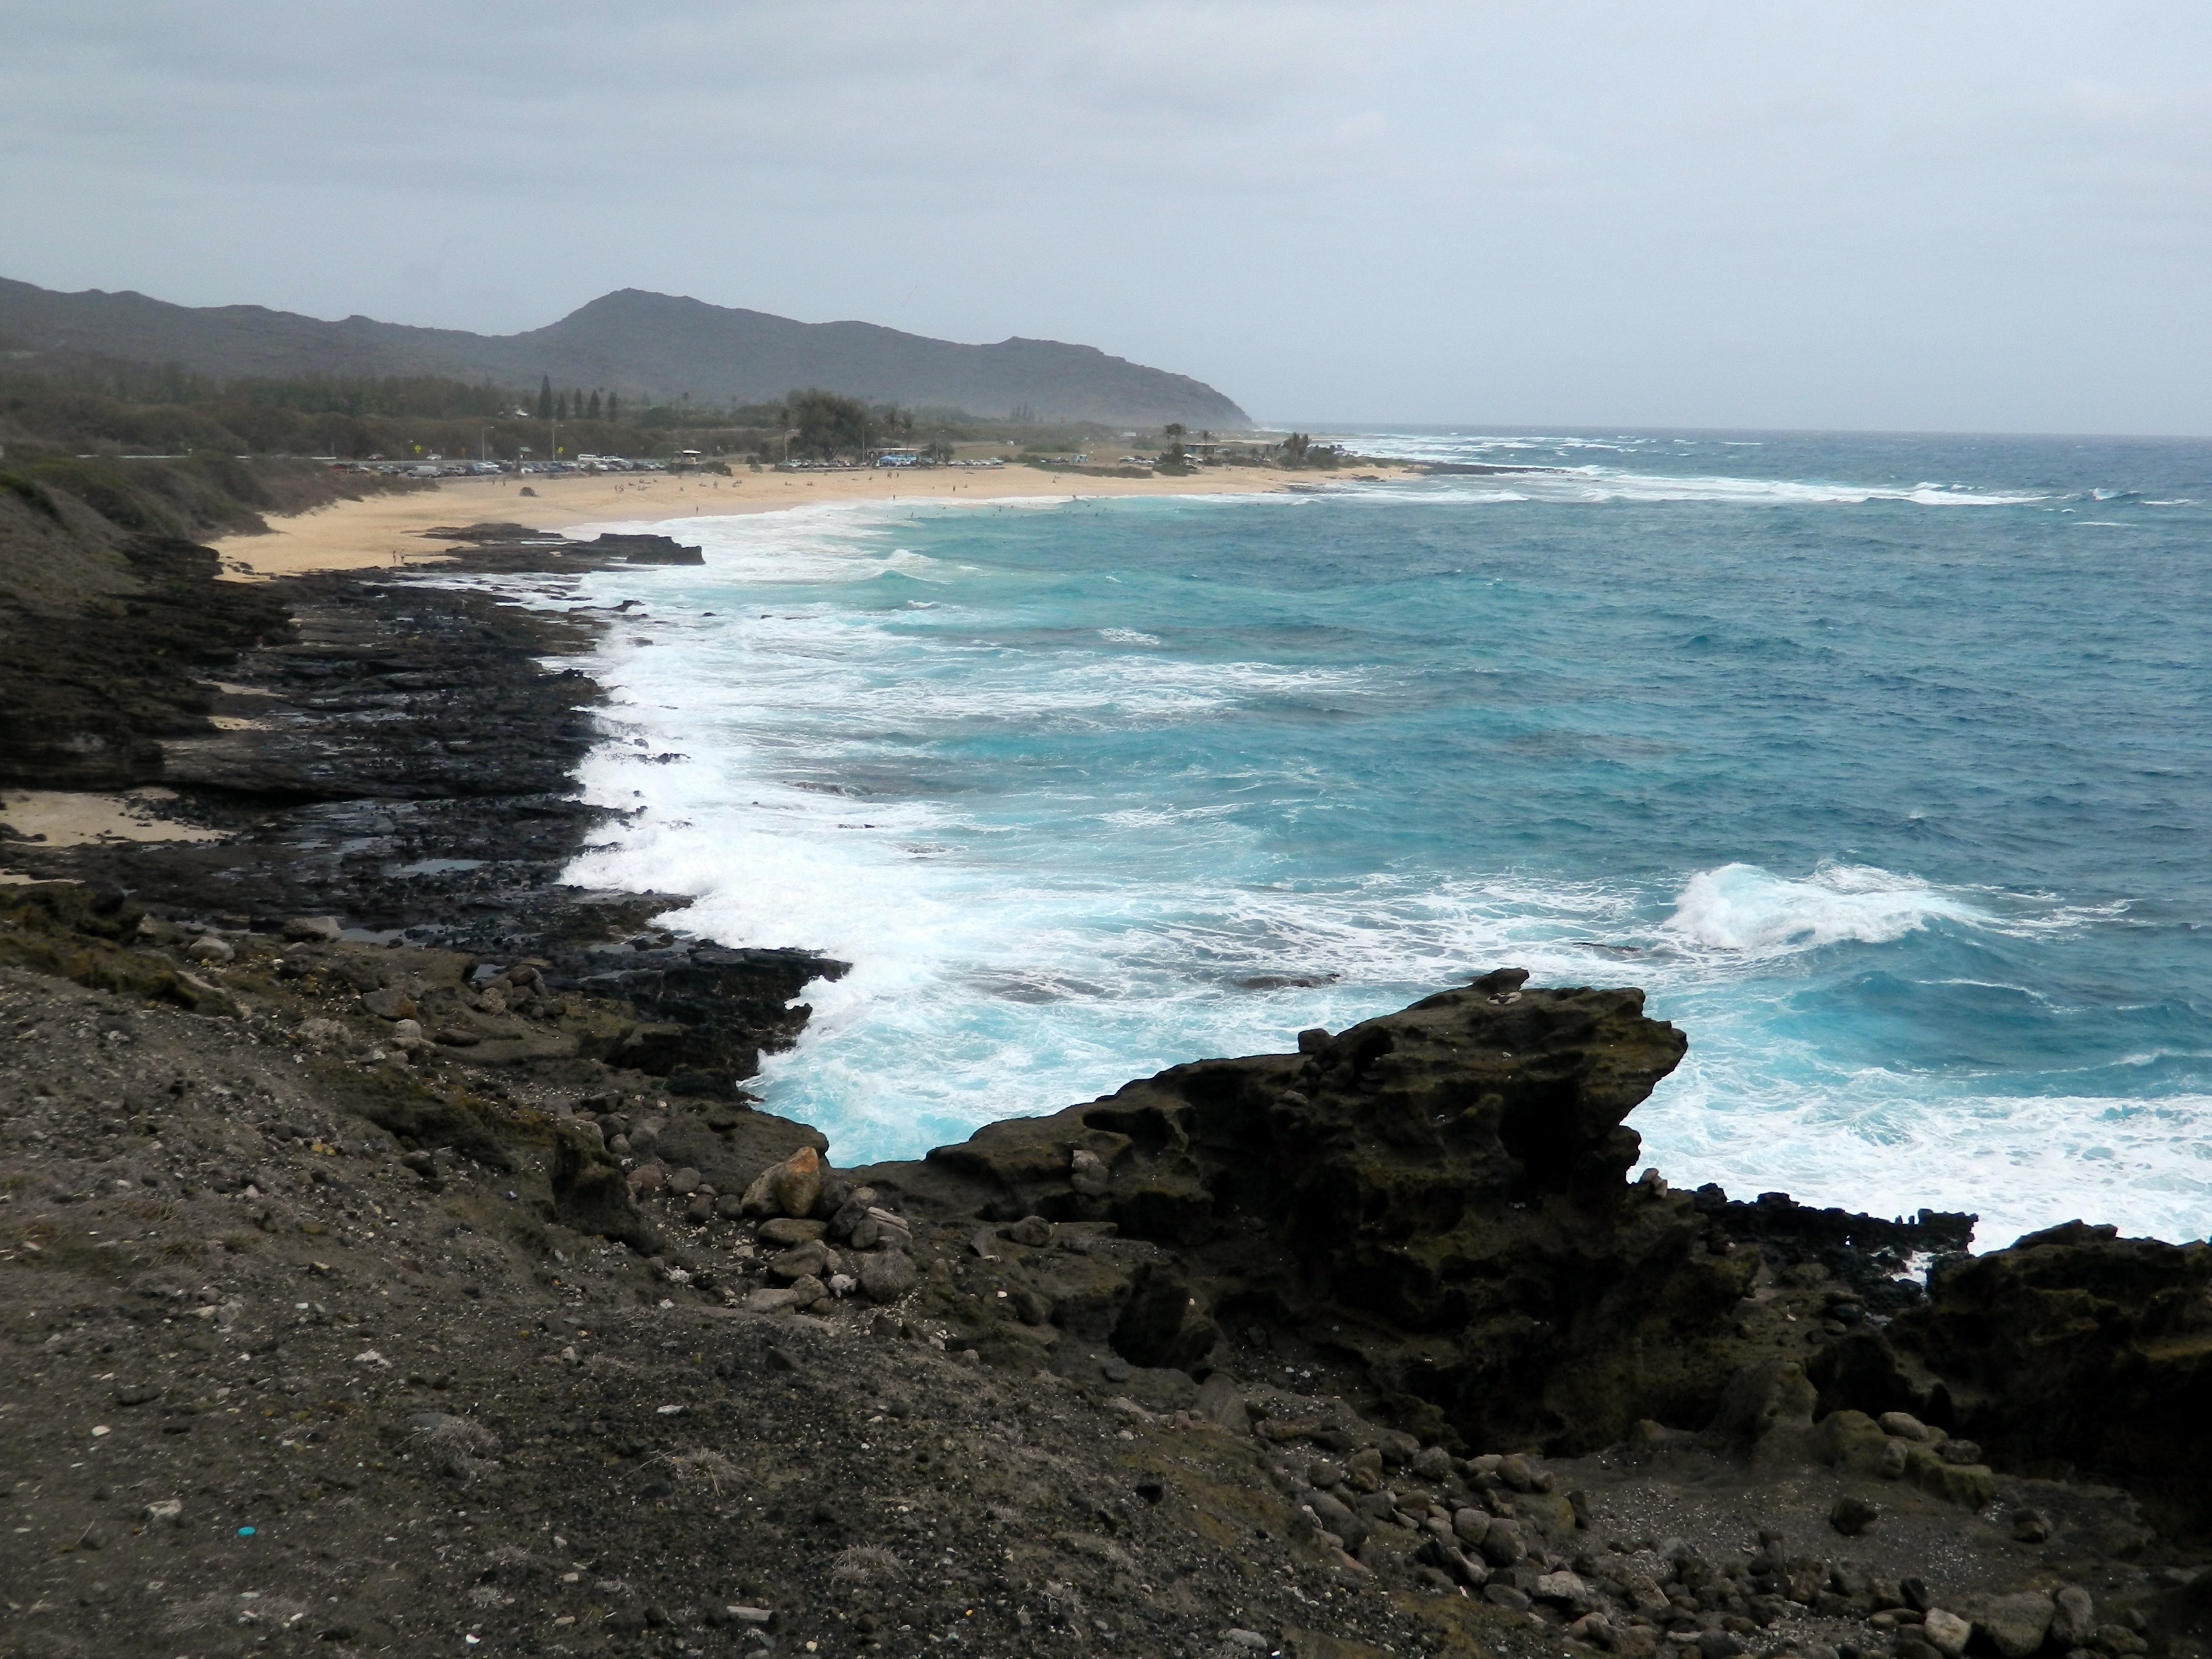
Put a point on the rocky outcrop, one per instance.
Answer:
(1439, 1195)
(2074, 1351)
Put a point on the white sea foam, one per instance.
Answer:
(1001, 967)
(1740, 907)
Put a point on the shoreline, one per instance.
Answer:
(389, 531)
(455, 1167)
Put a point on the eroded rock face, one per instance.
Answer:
(1441, 1191)
(2074, 1349)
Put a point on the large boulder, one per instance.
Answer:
(1442, 1190)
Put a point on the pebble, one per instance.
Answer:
(1246, 1639)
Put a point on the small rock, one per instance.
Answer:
(1946, 1631)
(1504, 1595)
(1246, 1639)
(1086, 1173)
(806, 1291)
(801, 1261)
(458, 1036)
(327, 929)
(1471, 1526)
(1718, 1644)
(700, 1212)
(1852, 1515)
(1891, 1464)
(1903, 1425)
(406, 1033)
(388, 1004)
(787, 1231)
(1502, 1544)
(648, 1177)
(985, 1243)
(842, 1284)
(1432, 1463)
(136, 1394)
(210, 949)
(1515, 1472)
(769, 1301)
(1313, 1040)
(1959, 1451)
(730, 1207)
(163, 1510)
(685, 1181)
(2074, 1618)
(1116, 1369)
(887, 1275)
(1593, 1628)
(2016, 1624)
(1568, 1591)
(2031, 1526)
(1032, 1231)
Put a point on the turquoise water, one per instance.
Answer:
(1881, 762)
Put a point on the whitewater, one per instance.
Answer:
(1880, 763)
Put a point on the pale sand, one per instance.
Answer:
(383, 531)
(56, 817)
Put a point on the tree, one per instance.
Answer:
(614, 407)
(594, 414)
(545, 397)
(828, 425)
(561, 407)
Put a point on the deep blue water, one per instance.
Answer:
(1881, 763)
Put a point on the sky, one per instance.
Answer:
(1898, 214)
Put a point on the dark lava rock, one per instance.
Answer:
(1444, 1187)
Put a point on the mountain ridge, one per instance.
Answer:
(639, 343)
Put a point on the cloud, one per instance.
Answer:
(1892, 214)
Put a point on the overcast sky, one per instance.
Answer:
(1891, 214)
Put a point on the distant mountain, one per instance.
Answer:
(643, 345)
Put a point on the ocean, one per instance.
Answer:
(1881, 762)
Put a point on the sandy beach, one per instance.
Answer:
(390, 529)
